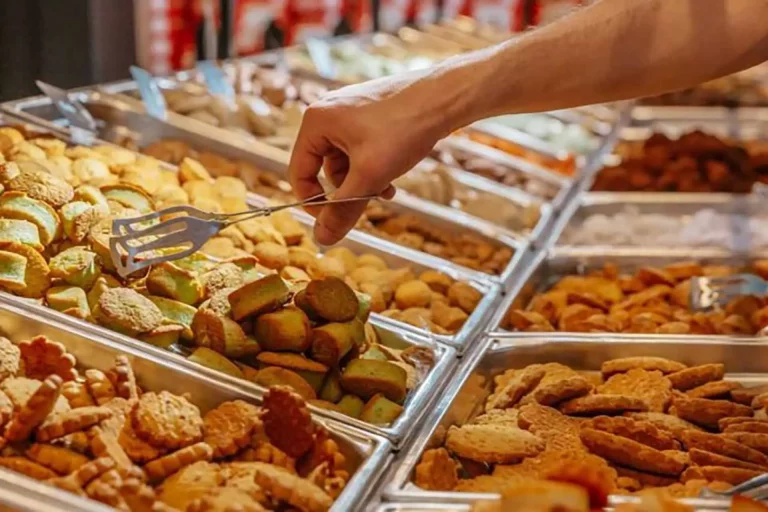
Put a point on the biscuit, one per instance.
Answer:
(125, 379)
(626, 452)
(626, 364)
(76, 420)
(228, 427)
(76, 393)
(696, 376)
(291, 489)
(535, 417)
(127, 311)
(437, 471)
(754, 440)
(34, 411)
(714, 389)
(6, 408)
(59, 459)
(100, 386)
(513, 390)
(43, 357)
(723, 446)
(757, 427)
(598, 404)
(643, 432)
(561, 390)
(667, 422)
(226, 499)
(649, 386)
(499, 416)
(745, 396)
(287, 421)
(166, 465)
(167, 421)
(138, 450)
(705, 458)
(492, 443)
(10, 359)
(27, 467)
(646, 479)
(707, 413)
(733, 476)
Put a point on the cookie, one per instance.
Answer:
(60, 460)
(756, 427)
(291, 489)
(76, 393)
(696, 376)
(626, 452)
(667, 422)
(437, 471)
(723, 446)
(535, 417)
(138, 450)
(649, 386)
(228, 428)
(43, 357)
(125, 379)
(226, 499)
(166, 465)
(27, 467)
(287, 421)
(492, 443)
(561, 390)
(626, 364)
(705, 458)
(745, 396)
(714, 389)
(100, 386)
(754, 440)
(76, 420)
(637, 430)
(733, 476)
(597, 404)
(10, 359)
(729, 422)
(35, 410)
(499, 416)
(514, 389)
(707, 413)
(167, 421)
(645, 478)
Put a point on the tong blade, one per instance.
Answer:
(126, 226)
(708, 292)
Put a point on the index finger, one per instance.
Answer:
(304, 167)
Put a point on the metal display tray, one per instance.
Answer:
(550, 266)
(127, 113)
(746, 363)
(366, 453)
(728, 126)
(392, 333)
(683, 205)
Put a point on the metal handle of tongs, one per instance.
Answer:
(316, 200)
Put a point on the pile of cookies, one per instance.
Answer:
(465, 249)
(98, 435)
(695, 162)
(262, 182)
(648, 422)
(56, 211)
(652, 300)
(566, 166)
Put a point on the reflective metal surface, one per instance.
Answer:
(156, 371)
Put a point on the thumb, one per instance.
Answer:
(335, 220)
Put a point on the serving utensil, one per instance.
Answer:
(707, 292)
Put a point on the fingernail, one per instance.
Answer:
(323, 237)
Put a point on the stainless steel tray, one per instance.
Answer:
(681, 205)
(550, 266)
(414, 407)
(463, 399)
(19, 493)
(393, 333)
(365, 452)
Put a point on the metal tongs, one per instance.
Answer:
(754, 488)
(139, 242)
(707, 292)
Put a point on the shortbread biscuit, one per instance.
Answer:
(167, 421)
(723, 446)
(493, 443)
(707, 413)
(649, 386)
(598, 404)
(626, 452)
(705, 458)
(518, 386)
(626, 364)
(640, 431)
(696, 376)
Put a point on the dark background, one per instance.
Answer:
(58, 41)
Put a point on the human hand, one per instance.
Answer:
(364, 136)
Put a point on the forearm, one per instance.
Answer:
(616, 49)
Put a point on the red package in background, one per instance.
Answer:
(303, 19)
(507, 15)
(251, 20)
(394, 14)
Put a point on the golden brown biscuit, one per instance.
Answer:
(745, 396)
(696, 376)
(535, 417)
(649, 386)
(645, 478)
(707, 413)
(626, 364)
(705, 458)
(291, 489)
(714, 389)
(43, 357)
(166, 420)
(35, 410)
(643, 432)
(59, 459)
(754, 440)
(723, 446)
(500, 416)
(668, 422)
(509, 394)
(626, 452)
(597, 404)
(76, 420)
(734, 476)
(10, 359)
(437, 471)
(27, 467)
(757, 427)
(728, 422)
(492, 443)
(160, 468)
(229, 427)
(565, 389)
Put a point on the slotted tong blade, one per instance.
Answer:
(139, 242)
(708, 292)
